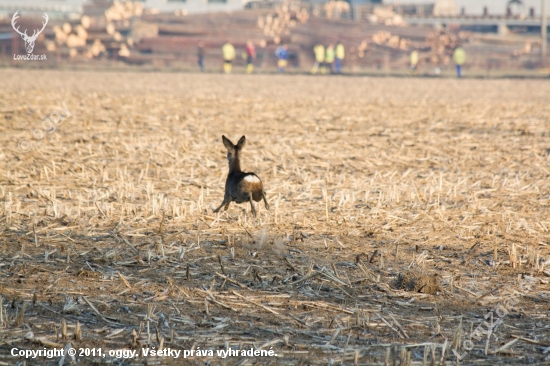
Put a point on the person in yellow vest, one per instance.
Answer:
(459, 58)
(414, 61)
(228, 52)
(319, 51)
(329, 57)
(339, 54)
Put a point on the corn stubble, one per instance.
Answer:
(107, 226)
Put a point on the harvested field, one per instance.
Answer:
(408, 224)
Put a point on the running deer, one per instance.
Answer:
(240, 186)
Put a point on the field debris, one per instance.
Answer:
(417, 281)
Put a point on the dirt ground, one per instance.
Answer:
(408, 223)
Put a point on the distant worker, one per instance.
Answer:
(200, 55)
(329, 58)
(339, 54)
(459, 58)
(282, 58)
(414, 61)
(250, 56)
(319, 51)
(228, 52)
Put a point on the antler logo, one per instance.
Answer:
(29, 41)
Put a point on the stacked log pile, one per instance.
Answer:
(369, 45)
(178, 36)
(391, 40)
(334, 8)
(386, 15)
(122, 10)
(124, 30)
(278, 23)
(104, 30)
(440, 45)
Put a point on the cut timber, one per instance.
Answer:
(60, 35)
(110, 28)
(97, 48)
(124, 51)
(81, 31)
(75, 41)
(86, 21)
(67, 28)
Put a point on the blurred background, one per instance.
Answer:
(500, 37)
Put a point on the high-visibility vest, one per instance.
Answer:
(459, 56)
(340, 53)
(329, 57)
(319, 51)
(414, 57)
(228, 52)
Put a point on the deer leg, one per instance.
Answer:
(252, 206)
(265, 200)
(226, 202)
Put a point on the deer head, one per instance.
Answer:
(29, 41)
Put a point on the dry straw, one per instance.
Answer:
(108, 220)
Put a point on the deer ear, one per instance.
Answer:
(227, 143)
(241, 143)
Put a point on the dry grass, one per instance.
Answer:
(108, 237)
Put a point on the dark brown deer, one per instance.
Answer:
(240, 186)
